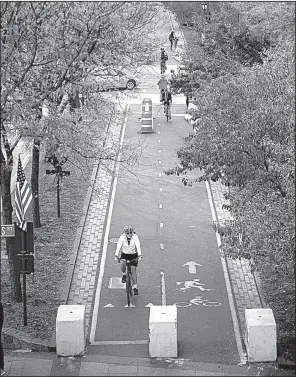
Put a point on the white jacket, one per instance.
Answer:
(132, 248)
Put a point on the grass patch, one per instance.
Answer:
(53, 249)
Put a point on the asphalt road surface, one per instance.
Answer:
(181, 262)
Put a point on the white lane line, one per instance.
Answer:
(161, 246)
(104, 251)
(160, 189)
(159, 151)
(159, 174)
(160, 205)
(117, 342)
(161, 225)
(228, 286)
(163, 296)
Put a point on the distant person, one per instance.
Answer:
(162, 85)
(1, 347)
(167, 100)
(163, 58)
(176, 39)
(171, 38)
(163, 55)
(187, 100)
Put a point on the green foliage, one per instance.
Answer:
(246, 138)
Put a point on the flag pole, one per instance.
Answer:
(23, 251)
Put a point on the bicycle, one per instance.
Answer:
(162, 67)
(128, 283)
(166, 110)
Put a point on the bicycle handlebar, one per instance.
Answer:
(129, 261)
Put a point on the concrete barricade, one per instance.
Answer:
(163, 331)
(260, 336)
(70, 330)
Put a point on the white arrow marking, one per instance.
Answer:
(149, 305)
(109, 306)
(191, 267)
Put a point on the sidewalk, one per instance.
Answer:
(48, 364)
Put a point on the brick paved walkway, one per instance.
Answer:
(242, 280)
(82, 288)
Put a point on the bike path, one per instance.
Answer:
(178, 232)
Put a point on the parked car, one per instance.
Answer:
(111, 78)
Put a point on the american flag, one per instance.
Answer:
(23, 196)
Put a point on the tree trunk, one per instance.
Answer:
(6, 170)
(16, 291)
(35, 183)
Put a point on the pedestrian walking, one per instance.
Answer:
(187, 100)
(171, 38)
(1, 347)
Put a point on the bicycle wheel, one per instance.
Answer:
(167, 112)
(128, 288)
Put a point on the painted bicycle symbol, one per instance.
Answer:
(198, 300)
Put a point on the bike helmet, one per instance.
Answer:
(128, 229)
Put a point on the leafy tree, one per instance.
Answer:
(225, 47)
(47, 51)
(246, 139)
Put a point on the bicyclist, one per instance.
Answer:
(171, 38)
(167, 99)
(176, 39)
(163, 58)
(162, 84)
(129, 246)
(163, 55)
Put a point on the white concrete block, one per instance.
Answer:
(260, 336)
(163, 331)
(70, 330)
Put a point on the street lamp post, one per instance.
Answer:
(59, 172)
